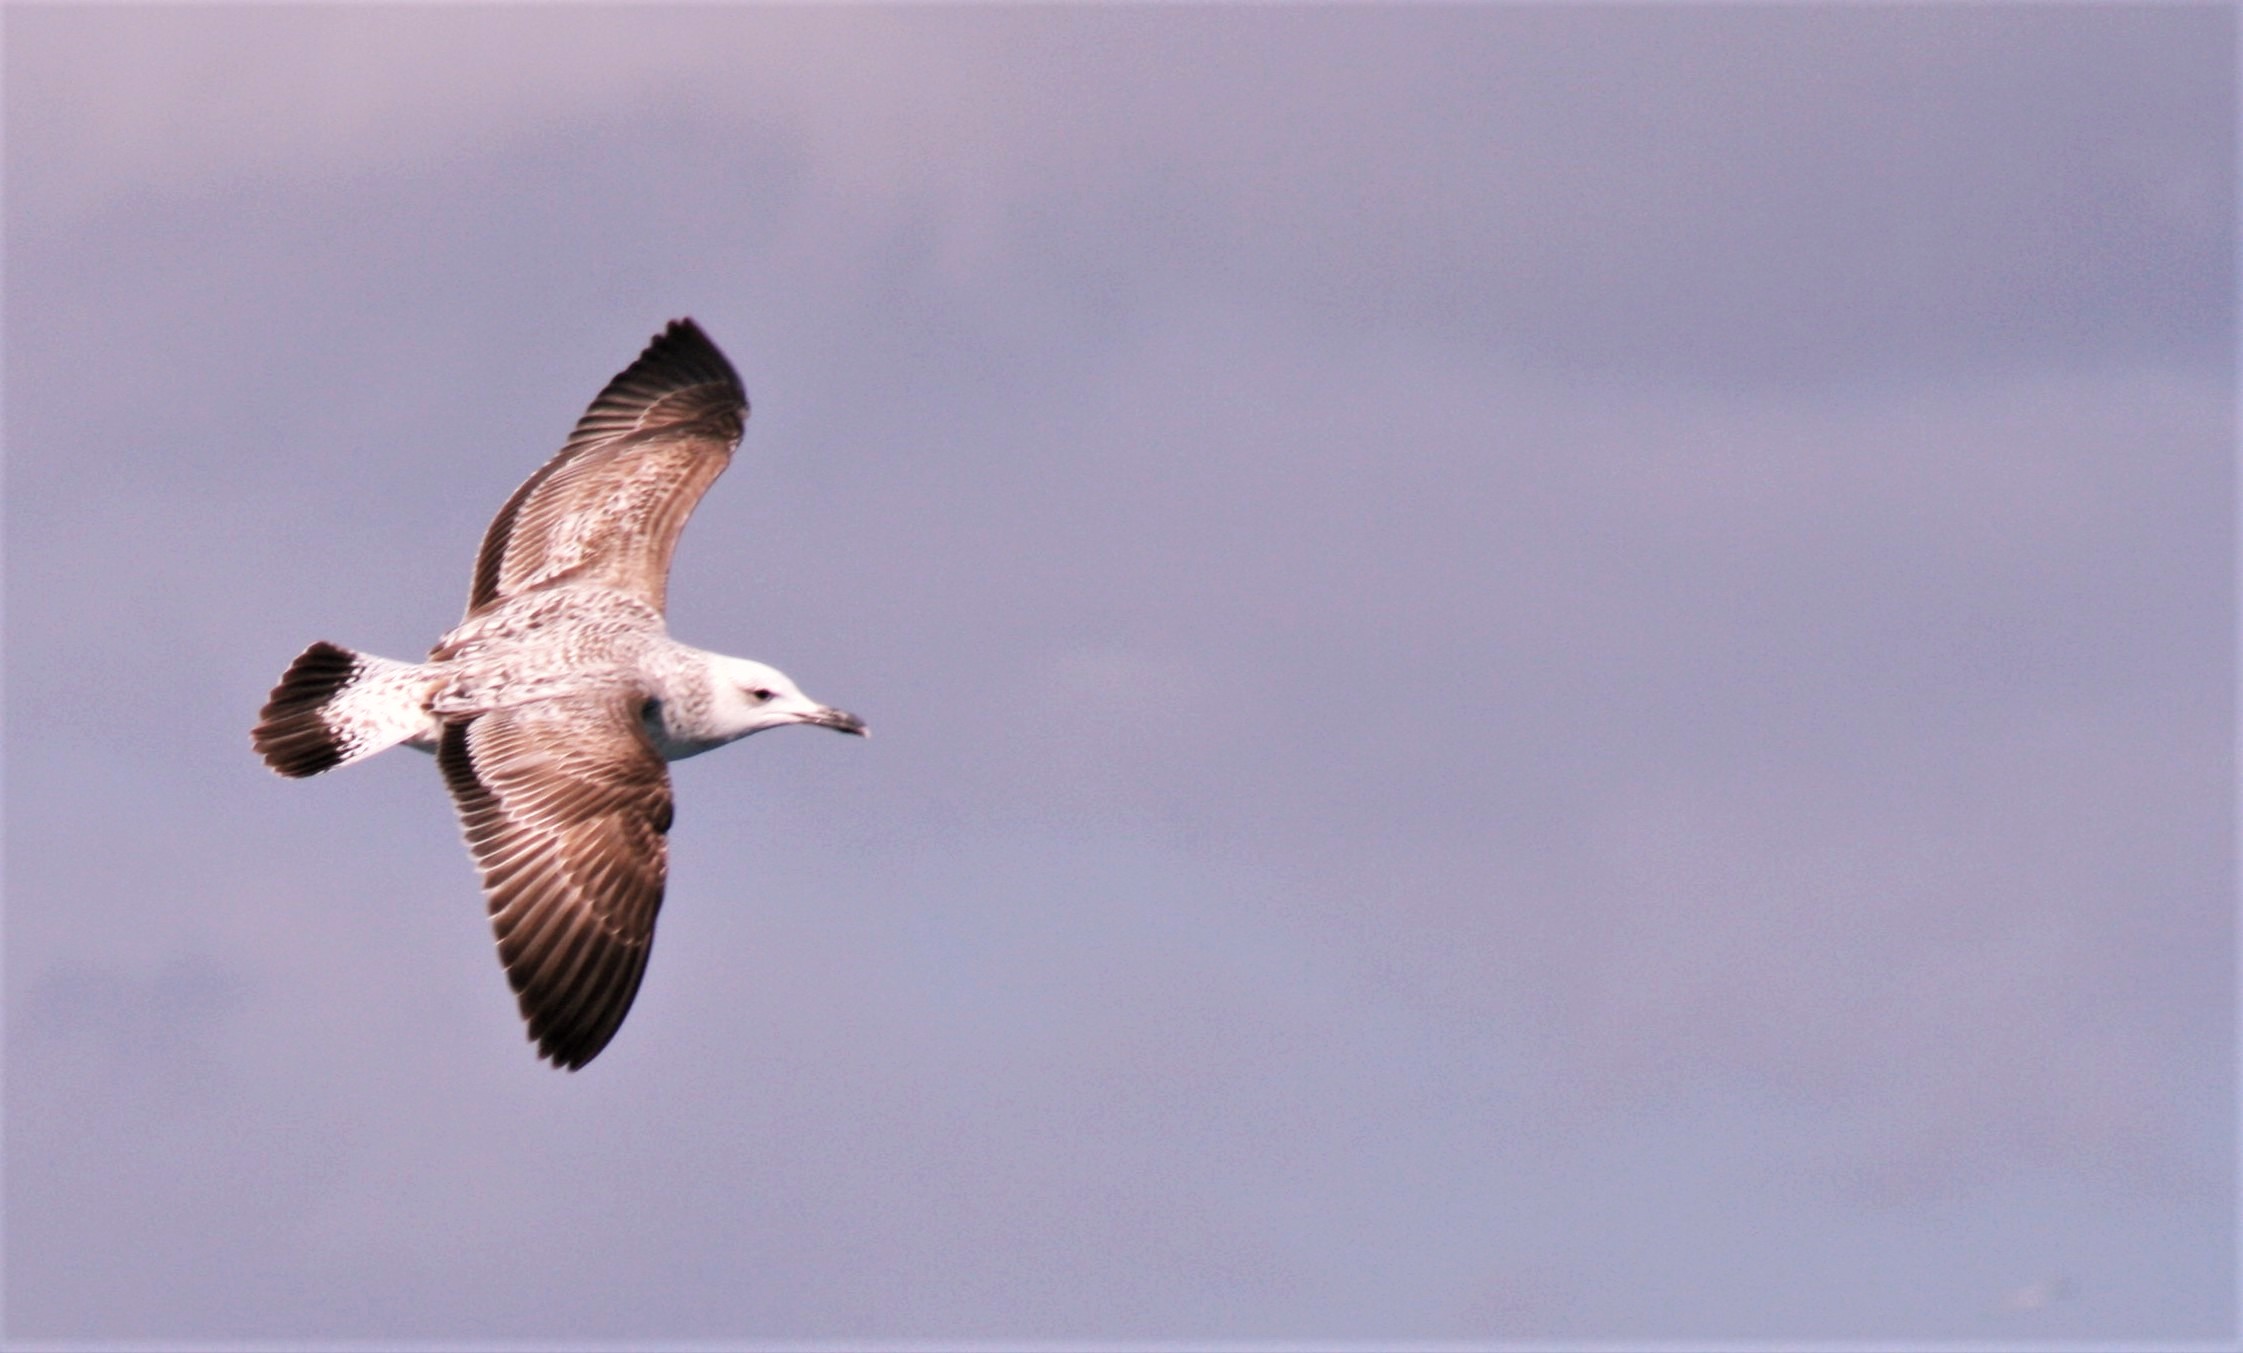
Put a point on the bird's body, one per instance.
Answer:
(554, 704)
(575, 641)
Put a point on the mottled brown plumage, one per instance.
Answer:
(608, 509)
(554, 704)
(566, 805)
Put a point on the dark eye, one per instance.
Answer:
(761, 694)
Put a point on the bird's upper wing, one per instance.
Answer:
(566, 805)
(609, 507)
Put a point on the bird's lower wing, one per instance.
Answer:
(566, 805)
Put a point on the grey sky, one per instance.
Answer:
(1537, 673)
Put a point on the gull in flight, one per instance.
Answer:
(554, 703)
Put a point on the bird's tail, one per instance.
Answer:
(333, 706)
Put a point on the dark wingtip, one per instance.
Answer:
(682, 354)
(575, 1051)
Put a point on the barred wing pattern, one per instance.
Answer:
(566, 806)
(609, 507)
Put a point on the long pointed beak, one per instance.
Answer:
(840, 720)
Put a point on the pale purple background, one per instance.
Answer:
(1536, 673)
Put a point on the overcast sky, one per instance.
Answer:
(1537, 673)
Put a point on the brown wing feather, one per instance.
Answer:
(566, 806)
(610, 506)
